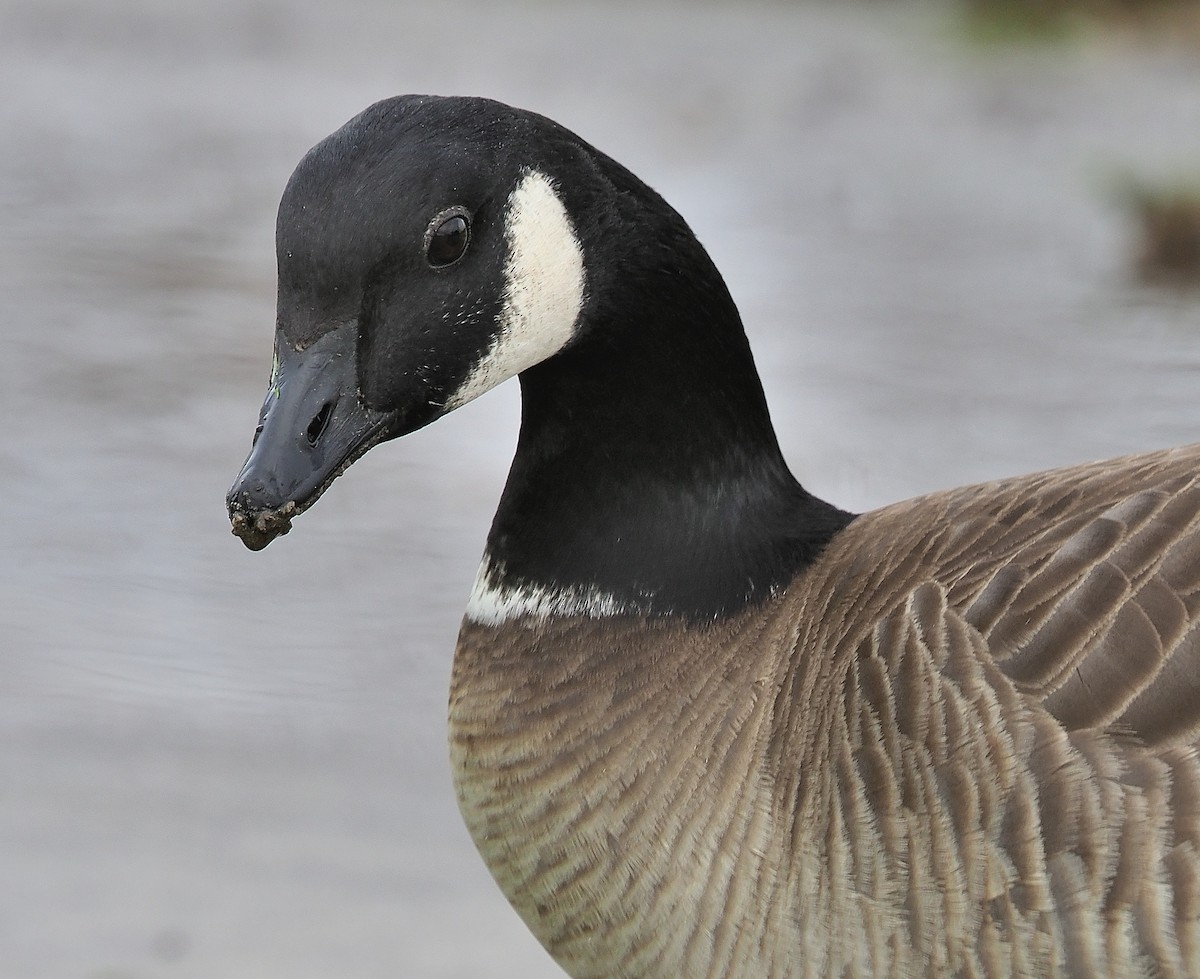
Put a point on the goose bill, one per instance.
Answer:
(312, 426)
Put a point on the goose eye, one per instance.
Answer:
(447, 240)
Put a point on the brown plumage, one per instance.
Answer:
(962, 743)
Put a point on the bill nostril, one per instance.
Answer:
(319, 422)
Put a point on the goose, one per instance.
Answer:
(701, 722)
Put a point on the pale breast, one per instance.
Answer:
(615, 785)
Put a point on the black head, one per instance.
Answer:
(397, 223)
(426, 253)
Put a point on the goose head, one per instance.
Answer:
(424, 256)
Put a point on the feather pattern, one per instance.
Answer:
(963, 742)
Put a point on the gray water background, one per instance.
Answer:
(222, 764)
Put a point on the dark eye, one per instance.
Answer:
(447, 239)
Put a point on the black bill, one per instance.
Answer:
(312, 426)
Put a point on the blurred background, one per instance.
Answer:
(964, 240)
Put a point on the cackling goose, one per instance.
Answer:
(702, 723)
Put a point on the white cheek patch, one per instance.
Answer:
(543, 287)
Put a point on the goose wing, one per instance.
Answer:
(996, 724)
(1092, 603)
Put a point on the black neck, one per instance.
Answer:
(647, 465)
